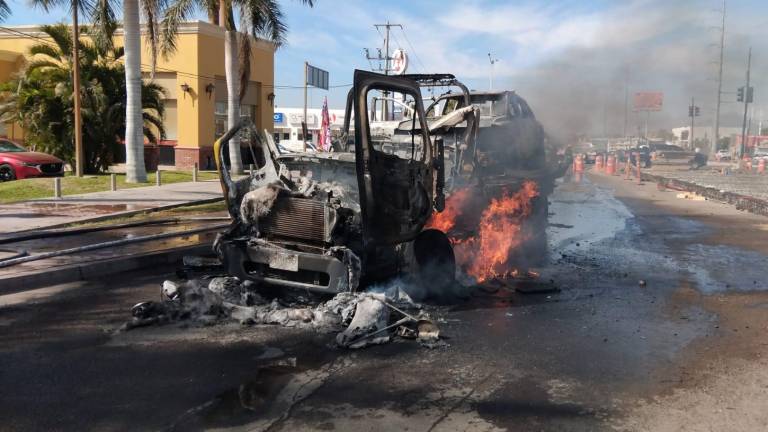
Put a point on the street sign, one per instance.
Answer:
(399, 62)
(648, 101)
(317, 77)
(277, 118)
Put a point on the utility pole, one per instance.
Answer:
(716, 136)
(493, 62)
(76, 93)
(626, 100)
(747, 96)
(386, 58)
(304, 128)
(693, 112)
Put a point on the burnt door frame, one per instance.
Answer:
(377, 204)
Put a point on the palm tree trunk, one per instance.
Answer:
(135, 170)
(231, 69)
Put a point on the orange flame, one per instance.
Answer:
(499, 231)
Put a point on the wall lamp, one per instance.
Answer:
(271, 99)
(186, 89)
(209, 88)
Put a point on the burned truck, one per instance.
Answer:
(337, 221)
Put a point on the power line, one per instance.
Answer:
(163, 69)
(413, 50)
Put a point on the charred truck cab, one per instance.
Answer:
(333, 222)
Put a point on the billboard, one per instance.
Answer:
(649, 101)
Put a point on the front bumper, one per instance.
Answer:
(269, 264)
(24, 171)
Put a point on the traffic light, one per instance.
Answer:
(690, 111)
(750, 94)
(698, 112)
(740, 94)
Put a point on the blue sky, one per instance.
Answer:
(561, 55)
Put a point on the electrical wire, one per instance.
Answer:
(413, 50)
(163, 69)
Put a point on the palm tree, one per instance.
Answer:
(42, 98)
(102, 15)
(258, 18)
(5, 10)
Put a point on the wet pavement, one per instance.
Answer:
(44, 213)
(605, 352)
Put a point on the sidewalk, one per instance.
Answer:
(45, 213)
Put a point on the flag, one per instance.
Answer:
(325, 127)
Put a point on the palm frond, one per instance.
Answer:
(176, 13)
(42, 64)
(46, 50)
(150, 10)
(104, 24)
(262, 19)
(62, 37)
(5, 10)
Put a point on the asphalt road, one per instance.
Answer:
(684, 351)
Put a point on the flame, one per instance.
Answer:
(485, 255)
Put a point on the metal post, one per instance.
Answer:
(113, 182)
(158, 181)
(194, 172)
(746, 104)
(716, 136)
(691, 142)
(76, 93)
(57, 187)
(304, 129)
(250, 169)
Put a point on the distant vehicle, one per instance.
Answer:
(16, 162)
(760, 153)
(723, 155)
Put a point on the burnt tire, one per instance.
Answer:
(7, 173)
(436, 264)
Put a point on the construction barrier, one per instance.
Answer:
(627, 168)
(599, 163)
(578, 164)
(610, 165)
(639, 175)
(761, 166)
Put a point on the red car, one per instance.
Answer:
(18, 163)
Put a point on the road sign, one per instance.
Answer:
(649, 101)
(278, 118)
(317, 77)
(399, 62)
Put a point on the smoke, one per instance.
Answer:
(670, 47)
(577, 63)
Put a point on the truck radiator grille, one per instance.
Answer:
(299, 218)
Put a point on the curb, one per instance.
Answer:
(741, 202)
(123, 214)
(95, 269)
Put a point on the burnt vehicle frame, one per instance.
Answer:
(334, 222)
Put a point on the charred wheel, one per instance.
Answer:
(436, 262)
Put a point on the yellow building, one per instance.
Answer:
(196, 104)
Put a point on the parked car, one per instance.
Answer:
(16, 162)
(760, 153)
(723, 155)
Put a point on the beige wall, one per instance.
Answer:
(199, 59)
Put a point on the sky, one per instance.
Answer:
(572, 60)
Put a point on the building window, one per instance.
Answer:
(220, 113)
(287, 136)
